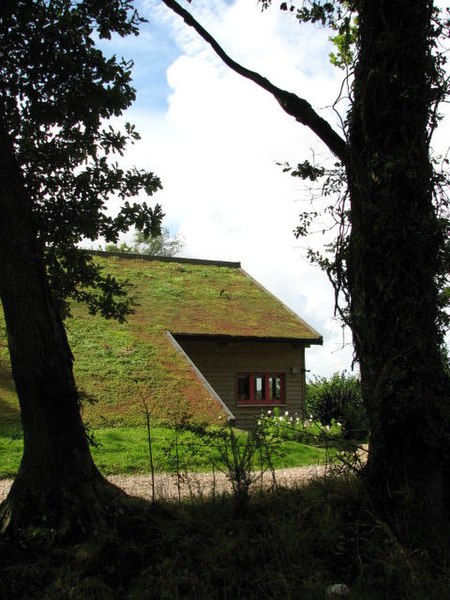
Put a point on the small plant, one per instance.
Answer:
(146, 412)
(244, 457)
(237, 453)
(173, 456)
(188, 448)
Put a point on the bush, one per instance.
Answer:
(338, 399)
(284, 426)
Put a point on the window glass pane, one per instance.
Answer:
(243, 387)
(275, 387)
(260, 392)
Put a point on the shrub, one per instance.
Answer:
(338, 399)
(284, 426)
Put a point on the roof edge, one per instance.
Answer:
(221, 337)
(176, 259)
(318, 337)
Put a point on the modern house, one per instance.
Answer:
(206, 343)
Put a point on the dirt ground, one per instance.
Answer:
(167, 486)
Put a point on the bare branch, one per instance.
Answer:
(297, 107)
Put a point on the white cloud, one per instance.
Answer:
(216, 148)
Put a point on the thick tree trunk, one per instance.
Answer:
(392, 265)
(58, 485)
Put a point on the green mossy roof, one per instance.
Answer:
(119, 365)
(207, 299)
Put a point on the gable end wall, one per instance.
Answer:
(219, 362)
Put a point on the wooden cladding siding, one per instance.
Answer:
(220, 362)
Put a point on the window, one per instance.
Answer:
(260, 388)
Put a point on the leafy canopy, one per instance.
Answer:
(58, 94)
(151, 245)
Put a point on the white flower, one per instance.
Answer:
(286, 414)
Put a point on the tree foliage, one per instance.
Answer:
(58, 96)
(151, 245)
(338, 398)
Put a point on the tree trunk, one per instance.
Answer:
(392, 265)
(58, 486)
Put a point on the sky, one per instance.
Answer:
(215, 140)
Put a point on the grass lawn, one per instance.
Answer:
(126, 450)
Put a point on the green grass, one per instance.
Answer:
(125, 450)
(11, 448)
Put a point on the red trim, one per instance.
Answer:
(249, 389)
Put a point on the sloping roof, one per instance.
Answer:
(208, 298)
(120, 365)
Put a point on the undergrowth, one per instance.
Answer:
(291, 544)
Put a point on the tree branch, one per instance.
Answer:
(297, 107)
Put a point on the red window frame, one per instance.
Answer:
(259, 388)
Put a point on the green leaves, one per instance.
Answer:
(305, 170)
(313, 11)
(57, 93)
(323, 13)
(337, 15)
(344, 42)
(74, 274)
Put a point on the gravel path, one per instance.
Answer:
(193, 484)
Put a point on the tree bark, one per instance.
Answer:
(58, 485)
(392, 264)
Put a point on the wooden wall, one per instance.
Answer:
(220, 362)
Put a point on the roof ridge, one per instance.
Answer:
(176, 259)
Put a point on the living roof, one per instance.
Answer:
(124, 365)
(207, 298)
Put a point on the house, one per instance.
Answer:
(206, 343)
(241, 350)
